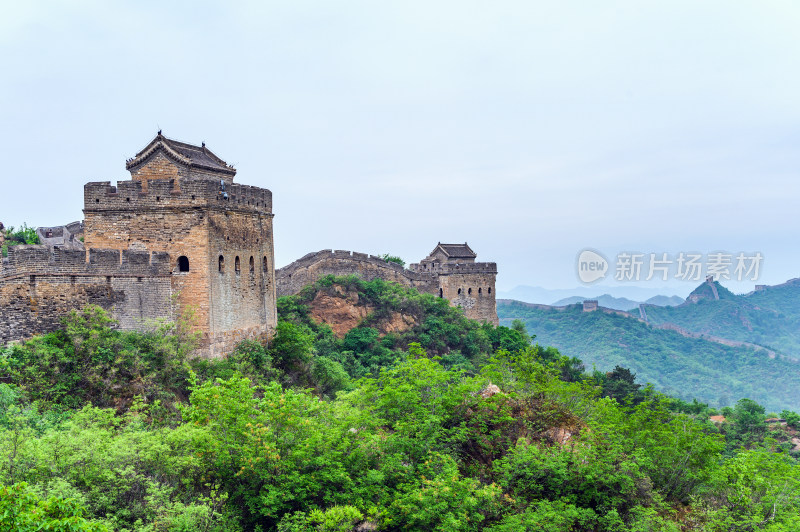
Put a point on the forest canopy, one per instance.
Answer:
(446, 425)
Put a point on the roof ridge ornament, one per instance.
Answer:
(183, 153)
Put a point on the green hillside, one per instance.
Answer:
(783, 299)
(769, 317)
(675, 364)
(410, 417)
(619, 303)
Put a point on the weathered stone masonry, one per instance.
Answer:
(180, 235)
(209, 239)
(200, 225)
(469, 285)
(39, 285)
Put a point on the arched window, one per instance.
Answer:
(441, 293)
(480, 290)
(265, 264)
(490, 289)
(252, 265)
(459, 291)
(183, 264)
(237, 265)
(221, 264)
(469, 291)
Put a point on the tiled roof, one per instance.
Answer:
(457, 251)
(188, 154)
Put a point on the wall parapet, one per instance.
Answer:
(327, 254)
(467, 285)
(415, 272)
(174, 193)
(45, 260)
(450, 268)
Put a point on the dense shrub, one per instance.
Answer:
(108, 430)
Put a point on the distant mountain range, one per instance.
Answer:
(769, 316)
(716, 346)
(634, 294)
(622, 303)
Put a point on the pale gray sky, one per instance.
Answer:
(530, 129)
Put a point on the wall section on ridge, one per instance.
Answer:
(208, 226)
(469, 286)
(41, 285)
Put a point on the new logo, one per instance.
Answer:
(592, 266)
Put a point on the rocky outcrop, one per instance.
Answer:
(469, 285)
(343, 310)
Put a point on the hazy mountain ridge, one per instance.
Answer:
(621, 303)
(548, 296)
(769, 317)
(690, 350)
(676, 364)
(665, 301)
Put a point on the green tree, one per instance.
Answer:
(440, 499)
(329, 376)
(747, 422)
(620, 384)
(336, 519)
(23, 511)
(292, 349)
(23, 236)
(792, 418)
(754, 490)
(519, 326)
(393, 258)
(281, 452)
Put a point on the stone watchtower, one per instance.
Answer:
(182, 200)
(462, 281)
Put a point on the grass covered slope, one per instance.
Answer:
(783, 298)
(770, 318)
(358, 427)
(675, 364)
(368, 325)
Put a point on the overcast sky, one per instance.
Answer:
(530, 129)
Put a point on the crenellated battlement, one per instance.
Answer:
(155, 246)
(468, 285)
(353, 256)
(39, 285)
(175, 193)
(414, 272)
(44, 260)
(451, 268)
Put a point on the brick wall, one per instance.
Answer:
(479, 278)
(472, 291)
(159, 167)
(307, 270)
(243, 297)
(153, 246)
(196, 219)
(40, 285)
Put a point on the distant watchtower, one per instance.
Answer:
(182, 200)
(462, 281)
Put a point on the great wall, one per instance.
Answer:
(39, 285)
(590, 305)
(465, 283)
(181, 236)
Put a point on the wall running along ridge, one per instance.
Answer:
(192, 218)
(178, 239)
(40, 285)
(470, 286)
